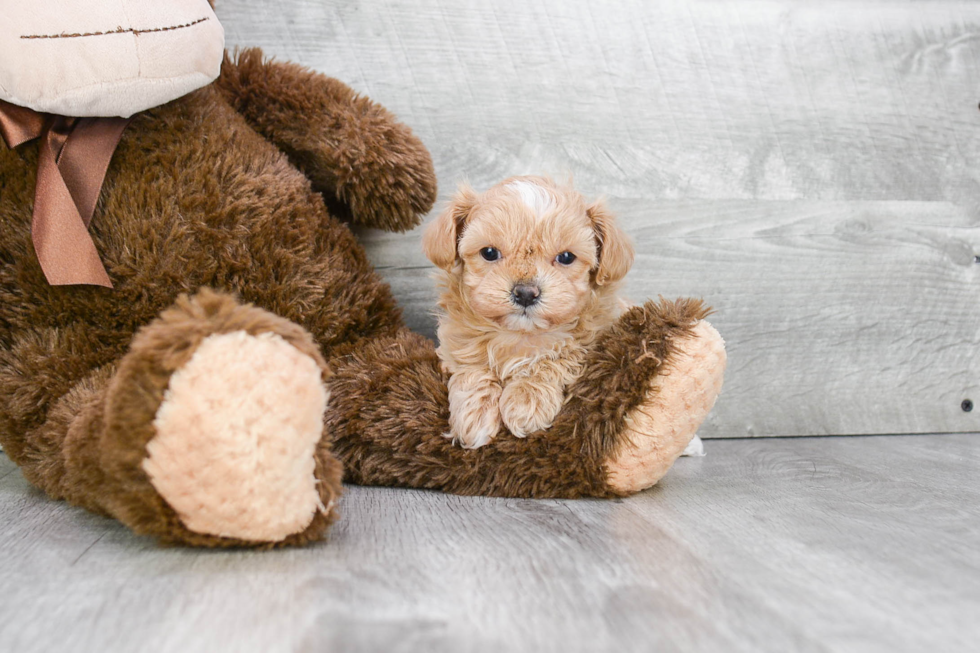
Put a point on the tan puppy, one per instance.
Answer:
(531, 272)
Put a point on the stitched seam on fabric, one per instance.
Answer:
(136, 40)
(118, 30)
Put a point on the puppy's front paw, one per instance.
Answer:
(474, 412)
(526, 407)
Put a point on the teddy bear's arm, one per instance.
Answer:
(649, 383)
(370, 168)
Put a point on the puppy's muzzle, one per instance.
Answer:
(525, 295)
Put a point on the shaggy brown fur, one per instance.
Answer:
(214, 190)
(117, 419)
(360, 164)
(194, 198)
(390, 410)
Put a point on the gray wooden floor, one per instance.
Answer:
(828, 544)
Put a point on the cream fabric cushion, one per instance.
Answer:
(106, 57)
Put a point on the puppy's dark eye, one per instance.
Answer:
(565, 258)
(490, 253)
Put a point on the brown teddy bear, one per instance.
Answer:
(210, 352)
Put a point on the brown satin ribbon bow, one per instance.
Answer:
(73, 157)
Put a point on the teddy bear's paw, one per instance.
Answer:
(660, 428)
(527, 407)
(236, 437)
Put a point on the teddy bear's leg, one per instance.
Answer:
(648, 383)
(370, 168)
(209, 431)
(660, 429)
(47, 375)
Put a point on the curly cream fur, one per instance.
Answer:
(510, 364)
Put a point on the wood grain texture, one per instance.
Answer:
(839, 317)
(829, 544)
(808, 168)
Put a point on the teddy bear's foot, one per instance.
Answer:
(661, 427)
(215, 422)
(235, 439)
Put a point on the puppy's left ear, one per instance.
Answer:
(615, 248)
(442, 235)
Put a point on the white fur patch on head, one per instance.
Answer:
(535, 197)
(234, 453)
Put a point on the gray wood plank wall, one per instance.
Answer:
(810, 169)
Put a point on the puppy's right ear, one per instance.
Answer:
(442, 235)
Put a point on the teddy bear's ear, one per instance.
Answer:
(439, 242)
(615, 248)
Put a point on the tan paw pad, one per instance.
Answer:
(662, 426)
(236, 436)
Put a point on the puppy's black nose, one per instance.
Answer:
(525, 294)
